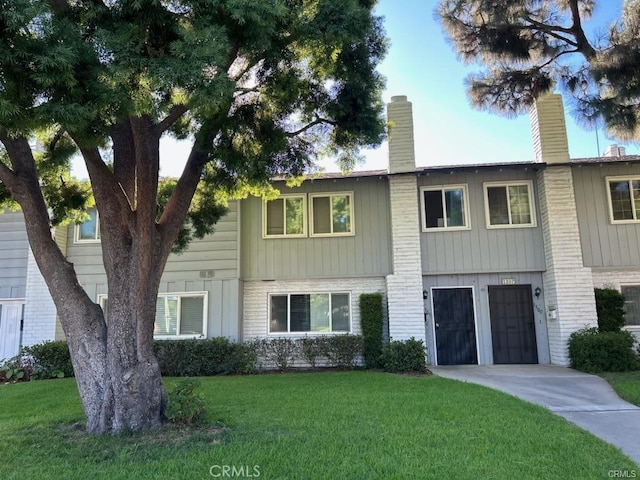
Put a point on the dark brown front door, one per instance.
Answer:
(512, 324)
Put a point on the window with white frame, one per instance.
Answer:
(331, 214)
(284, 216)
(444, 207)
(631, 304)
(177, 314)
(624, 199)
(89, 230)
(310, 313)
(509, 204)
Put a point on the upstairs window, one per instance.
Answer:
(444, 208)
(89, 230)
(624, 199)
(285, 216)
(332, 214)
(509, 204)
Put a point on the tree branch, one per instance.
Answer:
(582, 42)
(317, 121)
(176, 112)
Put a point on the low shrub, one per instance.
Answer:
(50, 359)
(280, 352)
(201, 358)
(610, 309)
(312, 350)
(343, 351)
(593, 351)
(16, 369)
(405, 356)
(371, 321)
(185, 406)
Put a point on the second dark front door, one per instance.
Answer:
(513, 330)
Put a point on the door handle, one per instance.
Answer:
(437, 325)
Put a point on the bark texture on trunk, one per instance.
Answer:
(116, 371)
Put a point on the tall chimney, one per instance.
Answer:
(549, 130)
(402, 156)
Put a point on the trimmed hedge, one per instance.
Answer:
(203, 358)
(371, 322)
(610, 309)
(405, 356)
(593, 351)
(217, 356)
(49, 360)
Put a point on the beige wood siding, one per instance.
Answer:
(209, 264)
(367, 253)
(604, 244)
(479, 249)
(14, 249)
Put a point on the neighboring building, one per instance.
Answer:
(485, 263)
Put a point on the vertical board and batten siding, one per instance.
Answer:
(604, 245)
(367, 253)
(480, 284)
(209, 264)
(481, 249)
(14, 249)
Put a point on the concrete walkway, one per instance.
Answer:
(586, 400)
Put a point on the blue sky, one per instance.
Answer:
(422, 66)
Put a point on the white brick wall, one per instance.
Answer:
(256, 299)
(568, 285)
(404, 286)
(39, 310)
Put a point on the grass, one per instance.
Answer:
(626, 385)
(346, 425)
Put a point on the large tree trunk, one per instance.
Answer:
(116, 371)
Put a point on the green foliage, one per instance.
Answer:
(610, 309)
(214, 356)
(185, 406)
(50, 360)
(281, 352)
(405, 356)
(593, 351)
(525, 50)
(371, 322)
(343, 351)
(15, 369)
(312, 349)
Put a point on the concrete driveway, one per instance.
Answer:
(586, 400)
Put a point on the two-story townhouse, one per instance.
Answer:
(485, 263)
(510, 252)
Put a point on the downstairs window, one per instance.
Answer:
(310, 313)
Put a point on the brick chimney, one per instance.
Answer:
(614, 151)
(549, 130)
(402, 156)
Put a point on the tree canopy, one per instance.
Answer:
(526, 48)
(261, 88)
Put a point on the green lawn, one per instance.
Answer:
(626, 384)
(349, 425)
